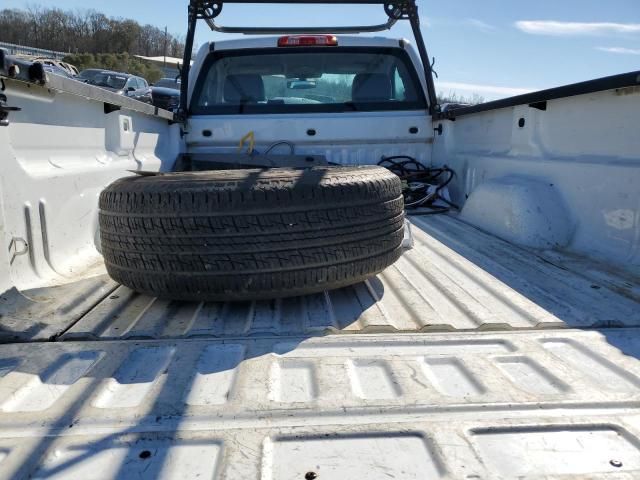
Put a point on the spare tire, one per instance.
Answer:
(251, 234)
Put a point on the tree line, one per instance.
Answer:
(84, 31)
(453, 97)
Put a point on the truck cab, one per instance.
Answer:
(322, 93)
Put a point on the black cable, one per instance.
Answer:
(432, 211)
(448, 180)
(413, 172)
(451, 204)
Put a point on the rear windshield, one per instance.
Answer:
(109, 80)
(316, 79)
(88, 74)
(168, 83)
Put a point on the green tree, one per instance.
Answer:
(453, 97)
(84, 31)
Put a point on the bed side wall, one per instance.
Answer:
(56, 155)
(582, 154)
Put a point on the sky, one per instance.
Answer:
(491, 48)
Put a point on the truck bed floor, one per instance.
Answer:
(526, 404)
(139, 387)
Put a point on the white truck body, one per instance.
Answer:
(505, 344)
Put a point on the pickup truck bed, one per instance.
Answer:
(468, 358)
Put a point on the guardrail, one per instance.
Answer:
(14, 49)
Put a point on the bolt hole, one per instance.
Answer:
(615, 463)
(310, 476)
(145, 454)
(311, 132)
(521, 122)
(413, 130)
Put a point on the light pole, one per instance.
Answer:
(165, 48)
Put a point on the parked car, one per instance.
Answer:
(173, 83)
(123, 84)
(71, 70)
(57, 71)
(165, 93)
(89, 74)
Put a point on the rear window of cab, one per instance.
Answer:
(307, 80)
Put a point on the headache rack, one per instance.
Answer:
(395, 10)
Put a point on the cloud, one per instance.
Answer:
(551, 27)
(488, 90)
(479, 24)
(620, 50)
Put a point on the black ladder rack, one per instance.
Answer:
(208, 10)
